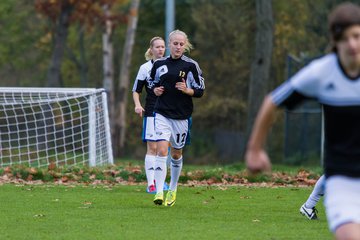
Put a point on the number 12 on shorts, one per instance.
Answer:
(180, 138)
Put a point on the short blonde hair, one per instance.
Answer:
(188, 45)
(148, 53)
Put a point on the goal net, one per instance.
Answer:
(65, 126)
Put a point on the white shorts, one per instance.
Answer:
(342, 201)
(171, 130)
(148, 133)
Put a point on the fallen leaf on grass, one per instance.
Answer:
(207, 201)
(86, 204)
(108, 188)
(222, 188)
(245, 197)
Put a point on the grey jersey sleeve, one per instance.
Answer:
(195, 80)
(140, 79)
(303, 85)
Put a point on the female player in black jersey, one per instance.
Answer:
(155, 51)
(334, 81)
(177, 79)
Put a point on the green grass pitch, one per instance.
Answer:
(127, 212)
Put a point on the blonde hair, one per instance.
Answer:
(188, 45)
(148, 54)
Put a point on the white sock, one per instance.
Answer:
(160, 173)
(176, 166)
(150, 168)
(317, 193)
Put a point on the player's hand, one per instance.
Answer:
(159, 90)
(181, 86)
(139, 110)
(257, 161)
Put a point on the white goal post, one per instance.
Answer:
(65, 126)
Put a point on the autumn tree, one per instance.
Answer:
(63, 13)
(223, 48)
(124, 79)
(21, 57)
(260, 67)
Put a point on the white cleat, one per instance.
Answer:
(310, 213)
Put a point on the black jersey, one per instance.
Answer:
(167, 72)
(142, 79)
(325, 81)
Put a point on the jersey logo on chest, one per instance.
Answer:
(163, 70)
(330, 86)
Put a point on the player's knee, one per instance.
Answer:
(151, 150)
(162, 152)
(348, 232)
(176, 156)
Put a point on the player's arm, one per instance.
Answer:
(159, 90)
(303, 85)
(137, 89)
(194, 85)
(182, 86)
(138, 108)
(155, 80)
(256, 157)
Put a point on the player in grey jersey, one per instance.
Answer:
(334, 81)
(155, 51)
(177, 79)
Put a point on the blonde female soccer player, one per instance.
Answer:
(177, 79)
(155, 51)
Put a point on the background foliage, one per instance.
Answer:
(222, 32)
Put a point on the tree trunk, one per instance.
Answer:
(81, 61)
(61, 34)
(260, 67)
(83, 67)
(123, 87)
(108, 68)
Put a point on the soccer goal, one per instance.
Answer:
(65, 126)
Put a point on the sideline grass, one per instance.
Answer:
(127, 212)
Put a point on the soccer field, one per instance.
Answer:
(127, 212)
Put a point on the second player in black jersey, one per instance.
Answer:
(155, 51)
